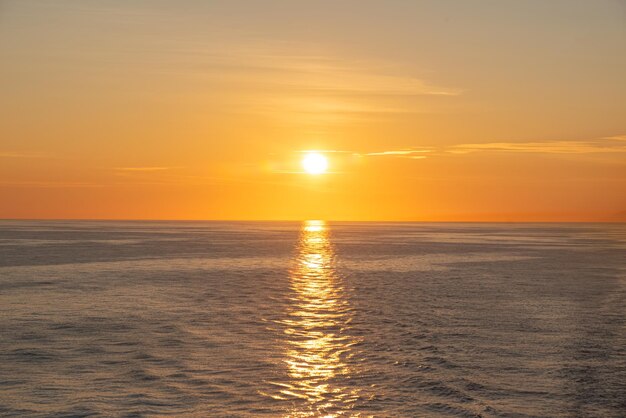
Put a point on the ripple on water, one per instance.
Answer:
(204, 319)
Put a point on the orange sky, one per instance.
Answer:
(434, 111)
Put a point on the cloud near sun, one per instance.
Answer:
(612, 144)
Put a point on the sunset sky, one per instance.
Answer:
(425, 110)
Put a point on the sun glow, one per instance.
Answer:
(315, 163)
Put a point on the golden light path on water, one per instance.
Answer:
(317, 347)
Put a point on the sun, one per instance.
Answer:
(314, 163)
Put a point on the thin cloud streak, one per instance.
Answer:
(7, 154)
(600, 145)
(400, 153)
(143, 169)
(611, 144)
(48, 184)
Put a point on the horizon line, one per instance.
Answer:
(317, 219)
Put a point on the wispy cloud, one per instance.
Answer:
(612, 144)
(8, 154)
(143, 169)
(49, 184)
(281, 65)
(607, 144)
(616, 138)
(311, 85)
(407, 153)
(416, 153)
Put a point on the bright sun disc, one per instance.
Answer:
(314, 163)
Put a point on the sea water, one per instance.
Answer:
(312, 319)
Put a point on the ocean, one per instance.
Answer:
(243, 319)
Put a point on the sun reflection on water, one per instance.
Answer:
(318, 349)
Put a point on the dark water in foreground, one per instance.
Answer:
(286, 319)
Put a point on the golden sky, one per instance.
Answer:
(425, 110)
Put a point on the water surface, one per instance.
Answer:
(313, 319)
